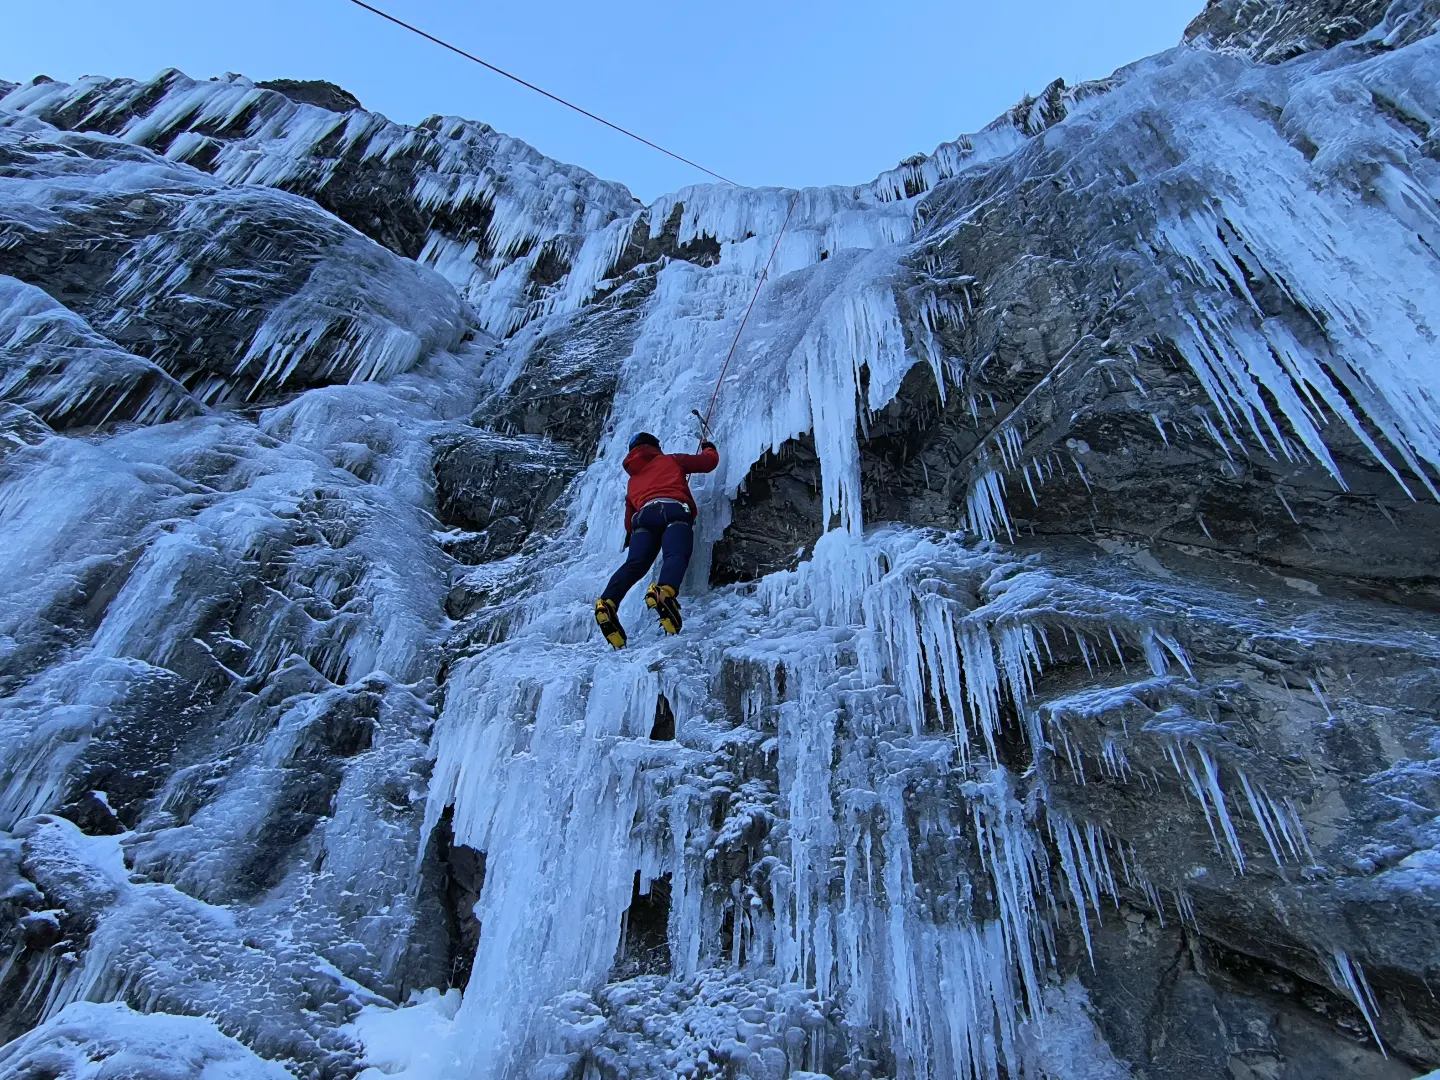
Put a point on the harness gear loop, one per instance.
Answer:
(705, 420)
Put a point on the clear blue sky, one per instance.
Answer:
(761, 91)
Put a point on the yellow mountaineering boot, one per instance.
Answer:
(661, 600)
(609, 619)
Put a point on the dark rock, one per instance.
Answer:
(568, 380)
(1273, 31)
(494, 488)
(776, 519)
(1176, 1005)
(648, 246)
(25, 935)
(325, 95)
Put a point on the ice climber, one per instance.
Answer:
(659, 517)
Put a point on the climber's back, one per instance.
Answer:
(659, 516)
(655, 474)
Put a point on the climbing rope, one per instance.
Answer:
(546, 93)
(705, 420)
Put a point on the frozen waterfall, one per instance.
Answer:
(1105, 651)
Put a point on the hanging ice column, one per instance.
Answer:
(545, 767)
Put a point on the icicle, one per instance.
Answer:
(986, 511)
(1285, 503)
(1349, 977)
(1261, 818)
(1155, 419)
(1212, 783)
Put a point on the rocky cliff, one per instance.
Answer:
(1058, 697)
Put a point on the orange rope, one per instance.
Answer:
(705, 420)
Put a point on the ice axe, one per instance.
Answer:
(704, 426)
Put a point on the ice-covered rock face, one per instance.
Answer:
(228, 294)
(1275, 30)
(503, 223)
(1059, 685)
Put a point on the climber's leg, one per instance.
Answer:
(678, 542)
(644, 546)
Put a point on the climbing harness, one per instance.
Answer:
(705, 420)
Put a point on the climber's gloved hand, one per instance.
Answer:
(706, 444)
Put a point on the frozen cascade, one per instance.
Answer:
(1067, 712)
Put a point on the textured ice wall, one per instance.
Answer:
(858, 826)
(877, 629)
(220, 628)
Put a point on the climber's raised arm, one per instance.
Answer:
(705, 461)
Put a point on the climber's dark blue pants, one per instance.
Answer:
(657, 527)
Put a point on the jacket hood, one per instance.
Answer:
(641, 456)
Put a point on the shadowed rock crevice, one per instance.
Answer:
(776, 518)
(644, 944)
(457, 873)
(663, 728)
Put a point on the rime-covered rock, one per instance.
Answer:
(111, 1040)
(1272, 31)
(234, 293)
(1059, 685)
(485, 210)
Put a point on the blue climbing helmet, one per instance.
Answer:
(644, 438)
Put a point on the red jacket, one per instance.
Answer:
(654, 475)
